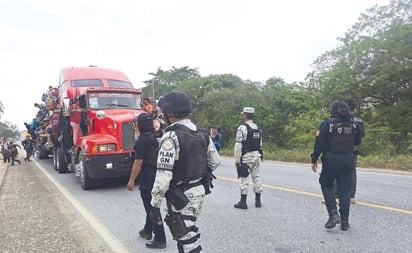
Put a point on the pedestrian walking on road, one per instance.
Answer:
(144, 166)
(335, 141)
(14, 152)
(186, 158)
(28, 145)
(5, 151)
(248, 154)
(356, 149)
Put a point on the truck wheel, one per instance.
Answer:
(43, 154)
(55, 159)
(86, 182)
(61, 162)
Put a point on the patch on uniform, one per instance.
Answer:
(167, 154)
(167, 144)
(318, 133)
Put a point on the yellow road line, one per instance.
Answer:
(388, 208)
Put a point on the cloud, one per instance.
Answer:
(254, 40)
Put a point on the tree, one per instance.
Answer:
(373, 66)
(164, 81)
(217, 101)
(9, 130)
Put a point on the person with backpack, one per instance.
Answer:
(334, 143)
(144, 166)
(248, 155)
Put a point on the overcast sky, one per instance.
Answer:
(254, 40)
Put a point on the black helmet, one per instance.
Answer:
(341, 108)
(144, 122)
(175, 102)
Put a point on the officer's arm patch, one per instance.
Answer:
(167, 154)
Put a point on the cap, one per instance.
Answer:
(248, 110)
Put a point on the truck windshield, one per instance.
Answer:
(114, 83)
(87, 83)
(113, 100)
(99, 83)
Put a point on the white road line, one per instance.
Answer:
(100, 229)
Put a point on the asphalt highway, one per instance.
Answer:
(291, 219)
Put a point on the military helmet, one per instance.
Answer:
(175, 102)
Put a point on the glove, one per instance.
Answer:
(154, 214)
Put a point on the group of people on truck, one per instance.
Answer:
(43, 129)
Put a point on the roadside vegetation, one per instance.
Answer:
(372, 65)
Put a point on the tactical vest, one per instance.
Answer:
(151, 153)
(253, 139)
(341, 136)
(192, 163)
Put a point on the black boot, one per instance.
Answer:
(144, 234)
(344, 226)
(333, 219)
(18, 161)
(242, 203)
(257, 200)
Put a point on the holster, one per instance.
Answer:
(207, 182)
(177, 198)
(243, 171)
(176, 224)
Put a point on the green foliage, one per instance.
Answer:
(399, 162)
(164, 81)
(9, 130)
(373, 66)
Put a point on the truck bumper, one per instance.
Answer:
(109, 166)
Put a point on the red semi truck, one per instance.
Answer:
(97, 133)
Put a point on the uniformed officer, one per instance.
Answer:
(335, 141)
(185, 160)
(248, 154)
(355, 117)
(144, 166)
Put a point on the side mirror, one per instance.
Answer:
(66, 107)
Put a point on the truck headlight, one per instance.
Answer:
(105, 148)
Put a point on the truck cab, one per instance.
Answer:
(98, 107)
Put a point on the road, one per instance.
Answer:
(291, 218)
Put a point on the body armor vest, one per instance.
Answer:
(151, 155)
(341, 136)
(253, 140)
(192, 163)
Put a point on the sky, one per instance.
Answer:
(254, 40)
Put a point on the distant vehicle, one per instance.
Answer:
(97, 134)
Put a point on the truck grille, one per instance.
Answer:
(128, 136)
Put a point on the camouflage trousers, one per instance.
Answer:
(252, 159)
(196, 196)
